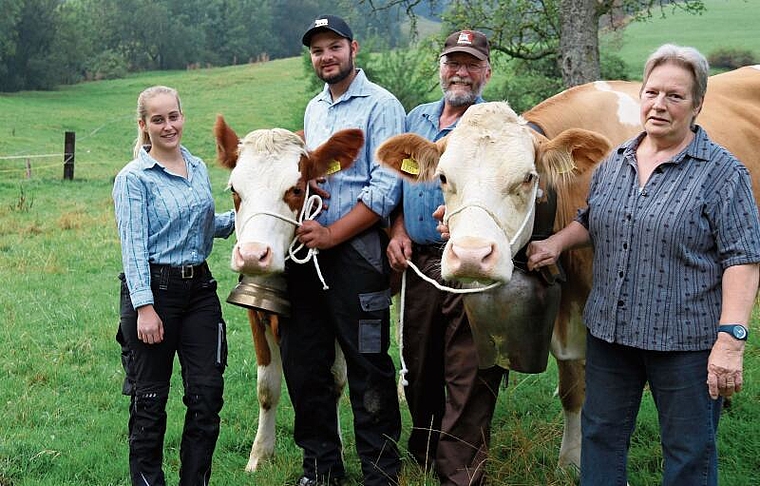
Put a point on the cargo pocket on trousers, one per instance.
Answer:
(370, 330)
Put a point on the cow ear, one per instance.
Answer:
(411, 156)
(574, 151)
(337, 153)
(226, 143)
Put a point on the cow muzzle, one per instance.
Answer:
(471, 258)
(254, 258)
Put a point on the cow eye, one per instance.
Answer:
(442, 178)
(232, 189)
(529, 178)
(297, 191)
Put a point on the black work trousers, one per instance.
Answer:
(355, 311)
(195, 332)
(450, 399)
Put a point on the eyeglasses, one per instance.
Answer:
(471, 67)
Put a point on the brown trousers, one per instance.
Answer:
(450, 399)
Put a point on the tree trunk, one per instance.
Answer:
(579, 41)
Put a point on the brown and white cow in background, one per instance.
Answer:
(269, 173)
(488, 161)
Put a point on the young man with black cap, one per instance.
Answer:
(355, 309)
(450, 399)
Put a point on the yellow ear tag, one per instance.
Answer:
(410, 166)
(333, 167)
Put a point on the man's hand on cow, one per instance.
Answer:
(542, 253)
(724, 366)
(150, 327)
(314, 235)
(315, 188)
(442, 228)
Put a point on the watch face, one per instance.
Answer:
(740, 332)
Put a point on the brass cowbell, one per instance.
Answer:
(264, 292)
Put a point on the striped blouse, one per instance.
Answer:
(660, 250)
(165, 219)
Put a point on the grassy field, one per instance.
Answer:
(726, 23)
(63, 417)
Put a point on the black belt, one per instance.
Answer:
(184, 272)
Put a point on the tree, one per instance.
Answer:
(566, 30)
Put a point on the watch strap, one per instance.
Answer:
(736, 330)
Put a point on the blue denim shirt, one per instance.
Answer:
(379, 115)
(421, 199)
(165, 219)
(660, 250)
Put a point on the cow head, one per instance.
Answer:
(269, 173)
(489, 167)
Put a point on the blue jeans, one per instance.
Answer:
(688, 417)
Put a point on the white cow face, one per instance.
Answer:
(488, 178)
(488, 167)
(269, 170)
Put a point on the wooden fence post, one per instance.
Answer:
(68, 155)
(28, 168)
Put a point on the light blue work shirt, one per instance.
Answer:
(422, 198)
(378, 113)
(165, 219)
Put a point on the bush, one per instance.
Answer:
(612, 66)
(108, 64)
(730, 58)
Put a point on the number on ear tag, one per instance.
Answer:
(410, 166)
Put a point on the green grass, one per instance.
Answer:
(726, 23)
(63, 417)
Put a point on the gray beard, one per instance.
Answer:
(457, 100)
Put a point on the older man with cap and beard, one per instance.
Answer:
(355, 309)
(450, 399)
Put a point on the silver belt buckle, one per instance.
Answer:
(187, 271)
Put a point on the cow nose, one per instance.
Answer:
(473, 258)
(253, 257)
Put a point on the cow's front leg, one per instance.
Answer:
(340, 377)
(268, 384)
(572, 389)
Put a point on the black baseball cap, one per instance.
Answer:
(328, 22)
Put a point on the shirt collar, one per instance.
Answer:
(147, 162)
(433, 112)
(698, 148)
(357, 88)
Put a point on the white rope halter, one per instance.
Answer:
(312, 205)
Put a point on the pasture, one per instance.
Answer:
(63, 419)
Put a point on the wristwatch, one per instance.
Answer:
(736, 330)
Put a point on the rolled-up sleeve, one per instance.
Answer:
(132, 223)
(383, 192)
(224, 224)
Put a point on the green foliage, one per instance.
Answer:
(108, 64)
(410, 74)
(612, 66)
(529, 83)
(45, 43)
(731, 58)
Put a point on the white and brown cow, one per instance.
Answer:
(487, 167)
(269, 173)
